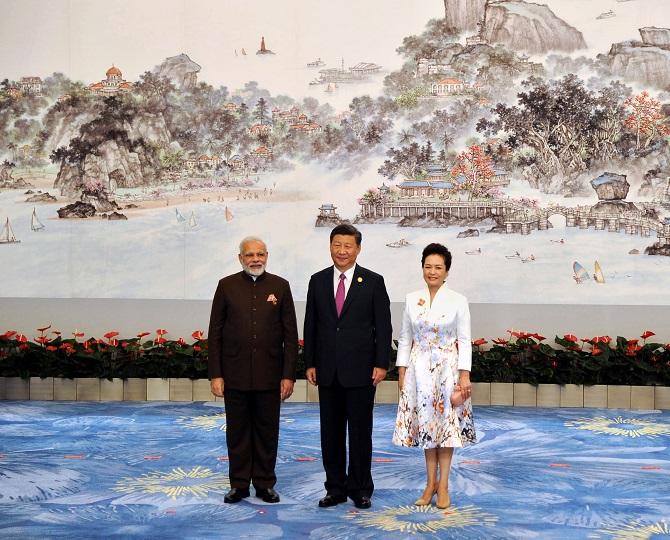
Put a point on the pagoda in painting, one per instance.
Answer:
(263, 49)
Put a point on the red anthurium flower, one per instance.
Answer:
(631, 342)
(142, 334)
(501, 341)
(42, 339)
(124, 344)
(52, 348)
(197, 348)
(99, 342)
(24, 347)
(181, 342)
(595, 351)
(9, 334)
(161, 332)
(570, 337)
(538, 337)
(646, 334)
(110, 335)
(160, 340)
(21, 338)
(479, 342)
(586, 340)
(514, 334)
(197, 335)
(44, 329)
(524, 335)
(77, 334)
(604, 339)
(113, 342)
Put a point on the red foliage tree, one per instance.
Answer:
(476, 167)
(645, 119)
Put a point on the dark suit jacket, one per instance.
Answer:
(253, 338)
(354, 343)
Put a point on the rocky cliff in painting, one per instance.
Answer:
(110, 164)
(646, 61)
(530, 27)
(464, 14)
(180, 70)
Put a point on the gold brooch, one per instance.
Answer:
(421, 302)
(360, 279)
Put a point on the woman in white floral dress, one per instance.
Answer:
(434, 360)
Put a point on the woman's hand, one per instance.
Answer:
(465, 384)
(401, 377)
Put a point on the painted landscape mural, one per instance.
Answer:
(140, 143)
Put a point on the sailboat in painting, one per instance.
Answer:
(180, 218)
(581, 275)
(35, 223)
(7, 236)
(598, 273)
(229, 214)
(192, 222)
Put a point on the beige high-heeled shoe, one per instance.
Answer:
(423, 501)
(443, 501)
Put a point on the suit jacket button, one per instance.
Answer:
(338, 329)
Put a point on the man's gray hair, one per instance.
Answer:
(251, 239)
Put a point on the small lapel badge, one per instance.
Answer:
(421, 302)
(360, 279)
(272, 298)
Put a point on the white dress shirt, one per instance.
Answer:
(348, 277)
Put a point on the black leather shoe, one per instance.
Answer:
(331, 500)
(235, 495)
(268, 495)
(362, 502)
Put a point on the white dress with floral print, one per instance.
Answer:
(434, 344)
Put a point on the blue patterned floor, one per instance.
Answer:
(159, 470)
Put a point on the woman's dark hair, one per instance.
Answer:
(437, 249)
(347, 229)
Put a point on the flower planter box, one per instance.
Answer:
(181, 390)
(17, 388)
(312, 393)
(642, 397)
(387, 392)
(548, 395)
(158, 389)
(135, 389)
(481, 393)
(618, 397)
(65, 389)
(525, 395)
(88, 389)
(202, 391)
(502, 393)
(572, 395)
(299, 392)
(111, 390)
(595, 396)
(662, 397)
(42, 389)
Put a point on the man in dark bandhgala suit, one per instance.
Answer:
(253, 348)
(347, 346)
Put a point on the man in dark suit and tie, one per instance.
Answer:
(253, 348)
(347, 346)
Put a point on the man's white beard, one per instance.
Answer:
(255, 272)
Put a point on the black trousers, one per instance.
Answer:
(252, 436)
(345, 410)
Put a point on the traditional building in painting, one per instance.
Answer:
(31, 86)
(113, 84)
